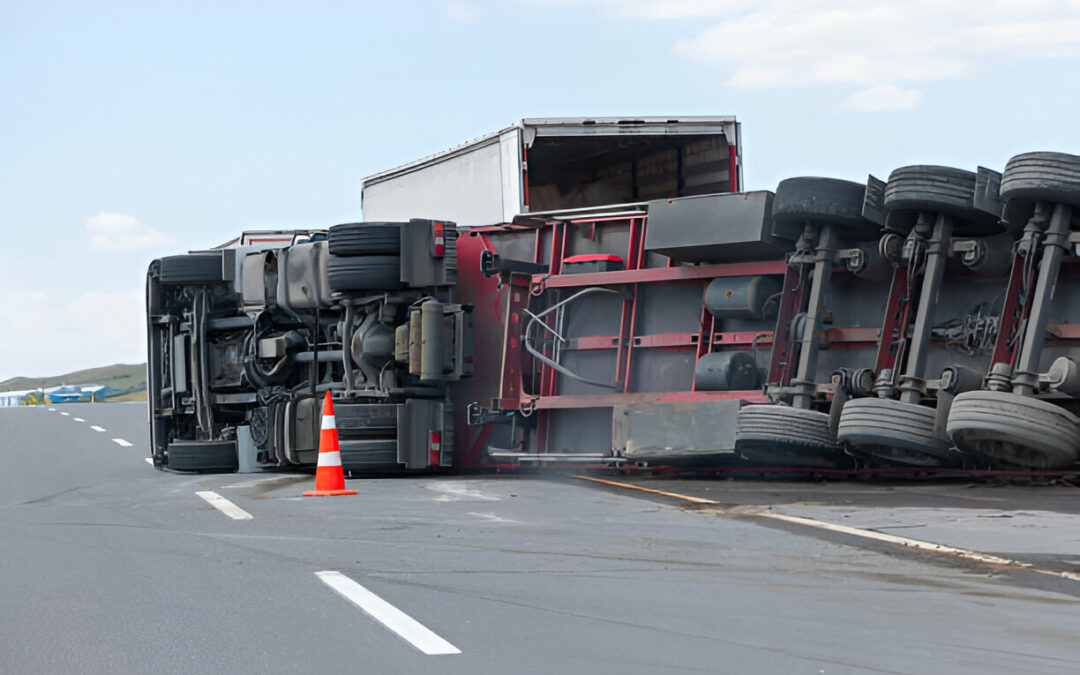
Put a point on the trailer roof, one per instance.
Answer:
(577, 126)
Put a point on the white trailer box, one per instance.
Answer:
(540, 165)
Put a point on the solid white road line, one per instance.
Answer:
(96, 427)
(78, 419)
(865, 534)
(225, 506)
(893, 539)
(149, 460)
(66, 414)
(408, 628)
(120, 441)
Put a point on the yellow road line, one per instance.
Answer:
(675, 495)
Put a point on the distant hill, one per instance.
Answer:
(122, 376)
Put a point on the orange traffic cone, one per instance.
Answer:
(329, 478)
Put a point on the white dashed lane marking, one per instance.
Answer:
(120, 441)
(78, 419)
(66, 414)
(225, 506)
(96, 428)
(408, 628)
(149, 460)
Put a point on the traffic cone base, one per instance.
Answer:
(329, 478)
(329, 493)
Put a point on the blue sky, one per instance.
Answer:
(130, 130)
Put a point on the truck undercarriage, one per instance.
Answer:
(245, 340)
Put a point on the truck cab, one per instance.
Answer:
(245, 338)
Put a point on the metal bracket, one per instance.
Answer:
(874, 201)
(527, 339)
(477, 415)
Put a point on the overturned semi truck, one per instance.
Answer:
(613, 297)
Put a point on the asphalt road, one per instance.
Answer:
(110, 566)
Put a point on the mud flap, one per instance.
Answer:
(425, 434)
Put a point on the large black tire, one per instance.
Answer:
(1039, 176)
(898, 432)
(364, 273)
(205, 456)
(194, 268)
(936, 189)
(779, 435)
(365, 239)
(1015, 429)
(824, 201)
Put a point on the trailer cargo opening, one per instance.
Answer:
(549, 164)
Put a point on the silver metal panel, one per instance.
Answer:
(252, 280)
(471, 187)
(179, 359)
(246, 452)
(302, 276)
(675, 429)
(513, 192)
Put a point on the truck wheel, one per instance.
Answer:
(364, 273)
(194, 268)
(895, 431)
(825, 201)
(365, 239)
(936, 189)
(779, 435)
(1016, 429)
(1039, 176)
(209, 456)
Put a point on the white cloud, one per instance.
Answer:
(881, 97)
(51, 332)
(884, 47)
(120, 232)
(787, 42)
(462, 12)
